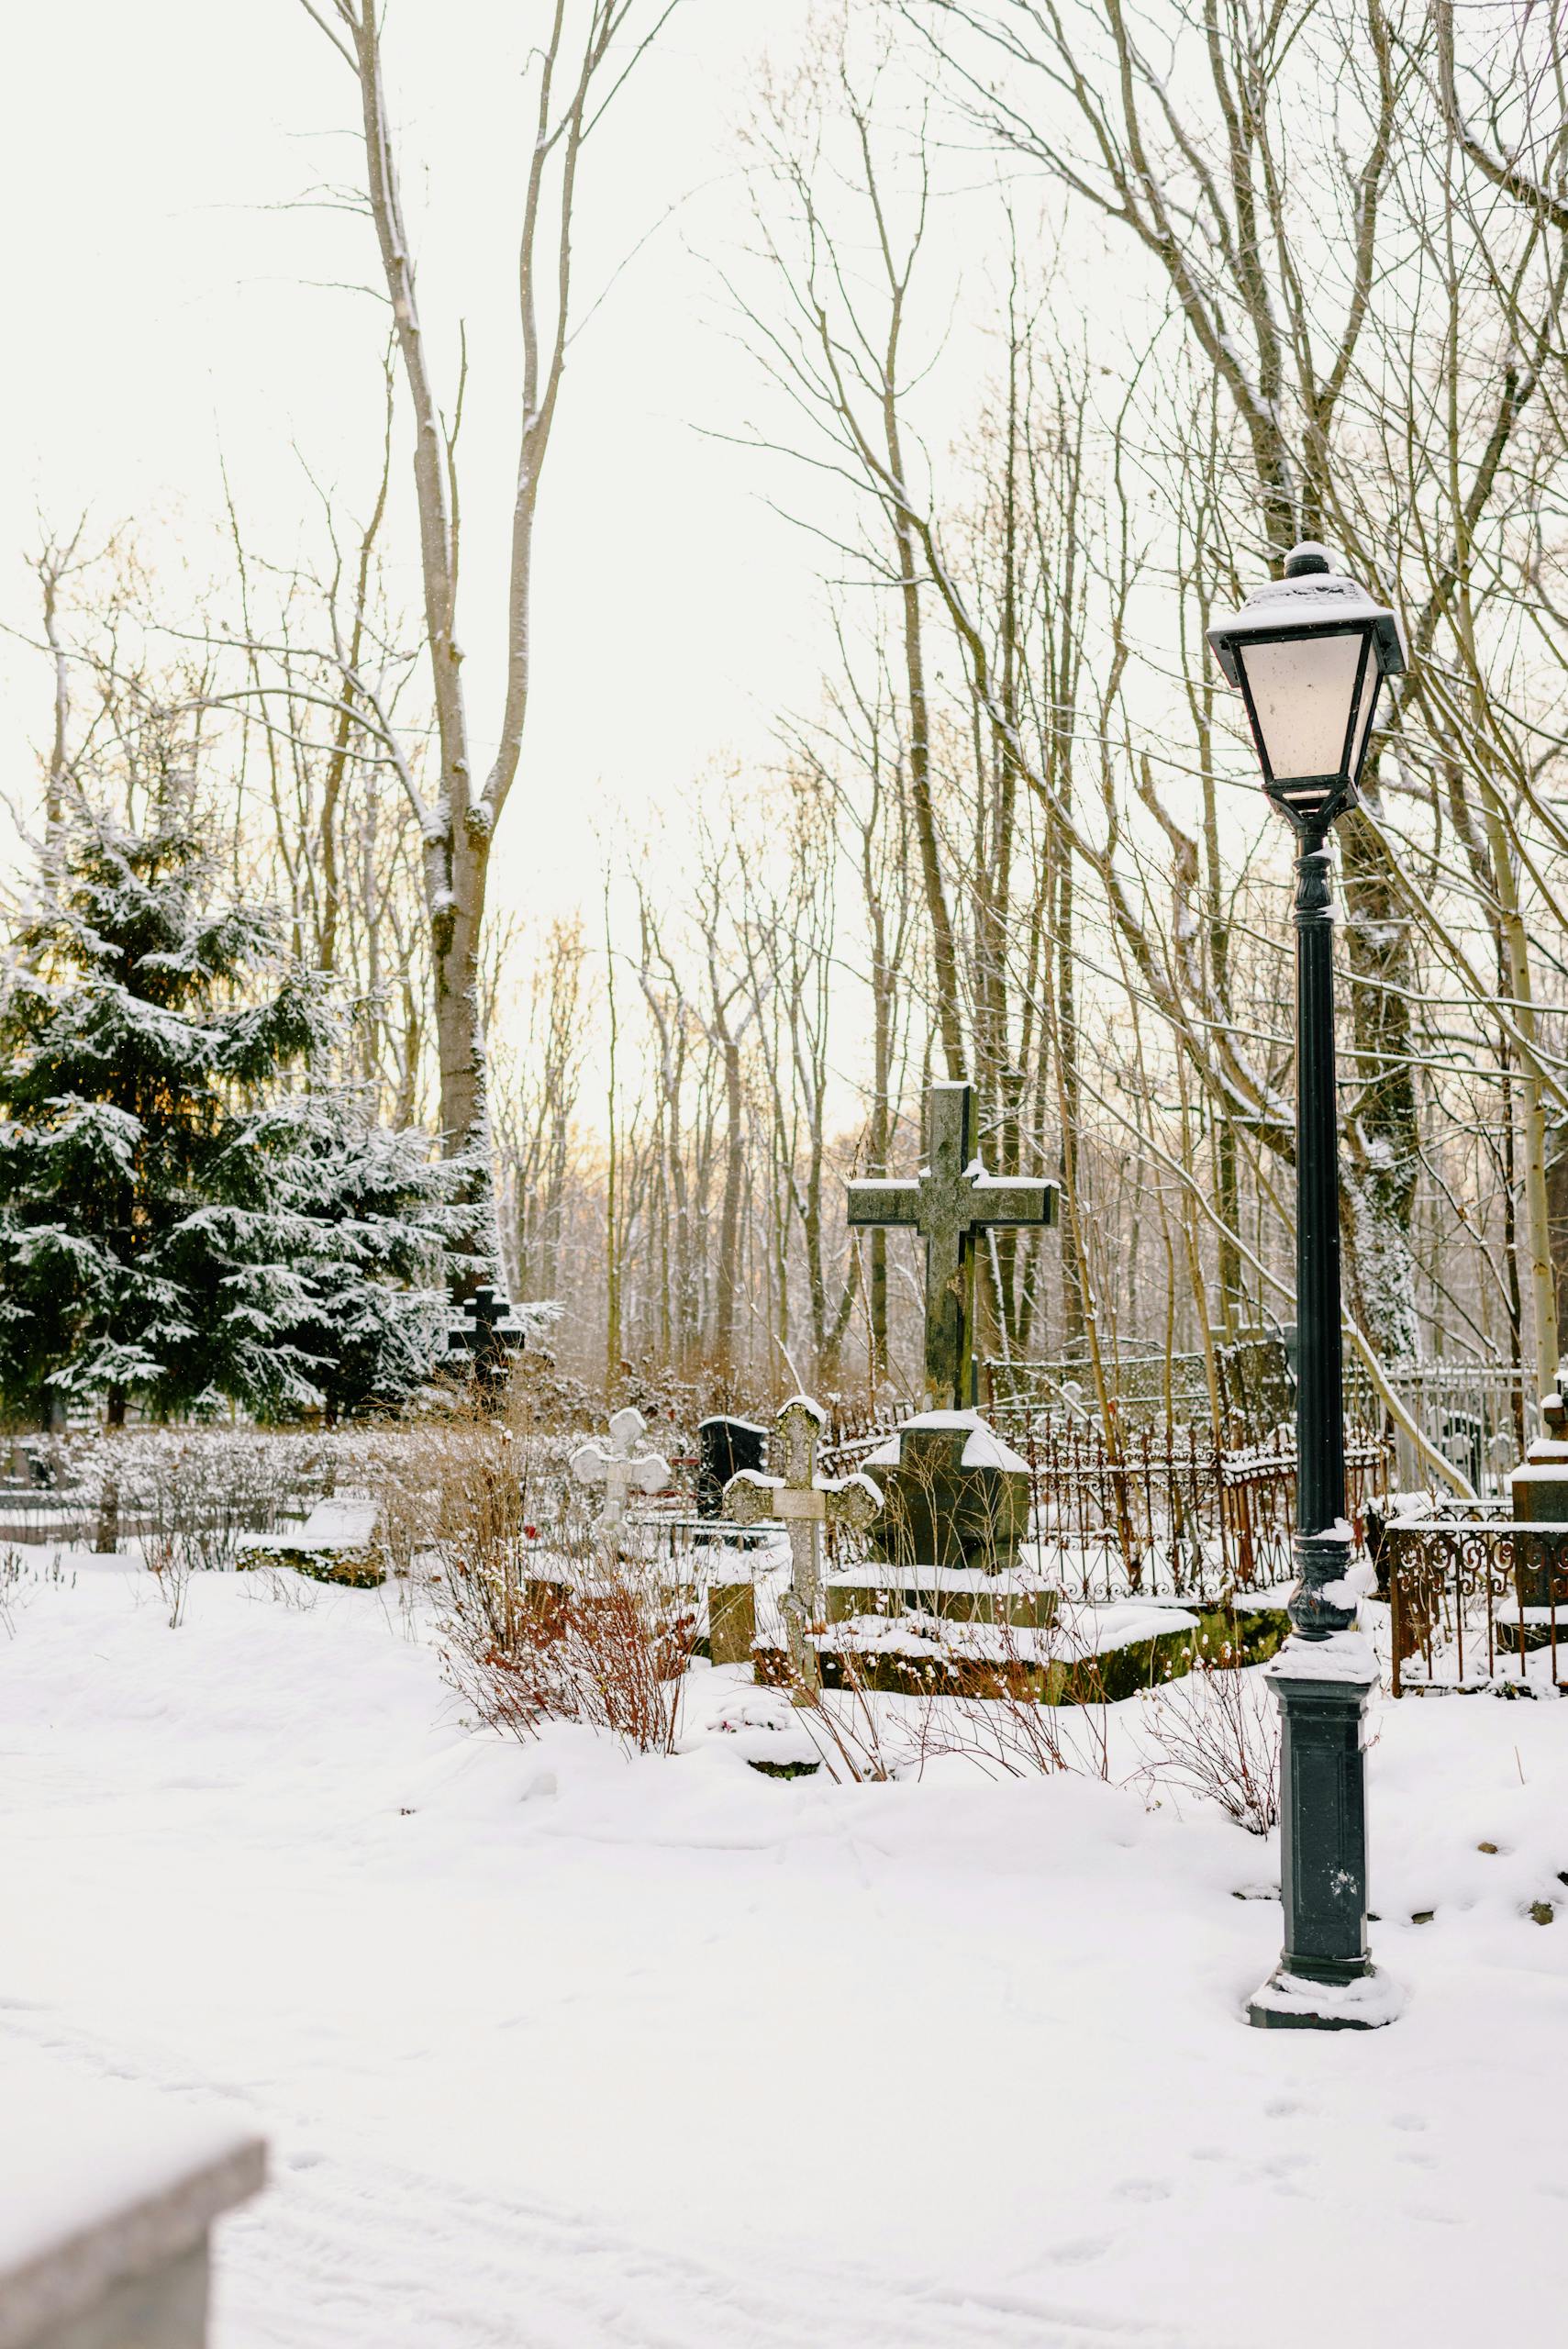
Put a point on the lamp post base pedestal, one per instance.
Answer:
(1325, 1979)
(1292, 2002)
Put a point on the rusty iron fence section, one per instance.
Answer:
(1483, 1593)
(1169, 1512)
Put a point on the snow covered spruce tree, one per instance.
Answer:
(191, 1212)
(381, 1219)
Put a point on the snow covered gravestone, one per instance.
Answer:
(725, 1446)
(336, 1543)
(619, 1469)
(805, 1502)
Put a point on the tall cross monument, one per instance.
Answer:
(951, 1200)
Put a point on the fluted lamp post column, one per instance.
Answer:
(1309, 653)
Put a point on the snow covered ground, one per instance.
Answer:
(557, 2050)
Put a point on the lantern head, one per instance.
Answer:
(1311, 653)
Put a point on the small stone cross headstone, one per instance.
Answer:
(486, 1328)
(620, 1469)
(950, 1201)
(805, 1502)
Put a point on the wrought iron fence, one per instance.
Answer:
(1170, 1511)
(1252, 1386)
(1157, 1510)
(1472, 1599)
(1479, 1414)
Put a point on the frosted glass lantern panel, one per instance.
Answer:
(1364, 710)
(1302, 693)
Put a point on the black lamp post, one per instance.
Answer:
(1311, 653)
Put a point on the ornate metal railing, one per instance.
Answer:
(1479, 1414)
(1484, 1592)
(1163, 1510)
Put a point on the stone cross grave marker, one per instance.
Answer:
(805, 1502)
(485, 1327)
(950, 1201)
(620, 1469)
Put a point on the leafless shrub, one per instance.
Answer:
(283, 1588)
(1216, 1734)
(994, 1701)
(1018, 1726)
(857, 1734)
(610, 1650)
(201, 1495)
(170, 1557)
(19, 1578)
(11, 1574)
(530, 1635)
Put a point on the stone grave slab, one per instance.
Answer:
(735, 1579)
(959, 1594)
(336, 1543)
(1086, 1655)
(1540, 1484)
(1539, 1490)
(109, 2193)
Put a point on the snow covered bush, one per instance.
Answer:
(1215, 1733)
(216, 1482)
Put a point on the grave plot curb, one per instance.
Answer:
(1247, 1635)
(353, 1569)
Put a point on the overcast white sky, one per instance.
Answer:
(161, 310)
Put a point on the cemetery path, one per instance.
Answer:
(522, 2276)
(557, 2050)
(375, 2251)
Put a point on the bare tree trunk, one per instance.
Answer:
(54, 563)
(1538, 1213)
(457, 823)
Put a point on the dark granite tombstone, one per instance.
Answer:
(724, 1447)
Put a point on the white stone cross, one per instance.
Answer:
(804, 1502)
(616, 1468)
